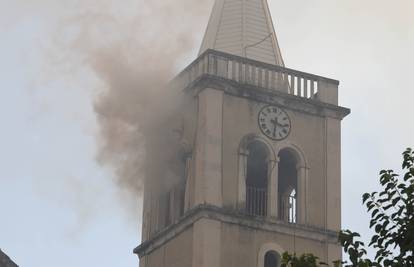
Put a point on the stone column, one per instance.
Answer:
(241, 201)
(302, 172)
(273, 189)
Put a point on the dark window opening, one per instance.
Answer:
(272, 259)
(256, 179)
(287, 194)
(172, 200)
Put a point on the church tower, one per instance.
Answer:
(259, 155)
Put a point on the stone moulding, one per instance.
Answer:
(268, 96)
(229, 216)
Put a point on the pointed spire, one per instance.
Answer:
(243, 28)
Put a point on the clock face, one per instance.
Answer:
(274, 122)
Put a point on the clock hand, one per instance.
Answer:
(283, 125)
(275, 123)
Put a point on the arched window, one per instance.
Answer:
(177, 193)
(256, 179)
(272, 259)
(288, 180)
(171, 203)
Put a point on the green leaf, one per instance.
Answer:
(365, 197)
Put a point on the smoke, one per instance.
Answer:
(134, 50)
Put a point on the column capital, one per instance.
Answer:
(302, 167)
(276, 160)
(244, 153)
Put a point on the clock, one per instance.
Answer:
(274, 122)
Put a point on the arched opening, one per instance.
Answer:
(272, 259)
(177, 193)
(288, 182)
(172, 197)
(257, 179)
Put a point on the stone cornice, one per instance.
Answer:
(273, 97)
(228, 216)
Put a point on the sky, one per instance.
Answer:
(60, 206)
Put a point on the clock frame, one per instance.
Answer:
(274, 122)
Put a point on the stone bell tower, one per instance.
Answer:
(260, 153)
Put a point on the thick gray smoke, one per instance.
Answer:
(134, 56)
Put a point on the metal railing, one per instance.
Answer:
(256, 201)
(252, 72)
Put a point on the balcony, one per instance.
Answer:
(254, 73)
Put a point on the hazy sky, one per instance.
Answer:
(59, 207)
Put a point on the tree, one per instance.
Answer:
(392, 219)
(305, 260)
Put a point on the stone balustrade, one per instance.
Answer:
(250, 72)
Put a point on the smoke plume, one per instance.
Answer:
(134, 54)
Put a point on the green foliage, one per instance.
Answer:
(392, 219)
(305, 260)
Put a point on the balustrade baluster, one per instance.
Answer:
(241, 77)
(253, 75)
(273, 78)
(282, 85)
(213, 65)
(266, 77)
(305, 81)
(260, 77)
(312, 88)
(246, 73)
(207, 64)
(285, 83)
(229, 70)
(292, 83)
(210, 64)
(233, 70)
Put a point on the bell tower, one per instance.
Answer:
(259, 155)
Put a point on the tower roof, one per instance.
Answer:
(243, 28)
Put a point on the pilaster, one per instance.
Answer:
(333, 174)
(208, 154)
(207, 243)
